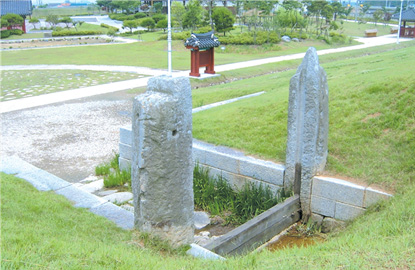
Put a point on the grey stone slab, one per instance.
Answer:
(238, 181)
(93, 186)
(43, 180)
(128, 207)
(323, 206)
(199, 154)
(262, 170)
(222, 161)
(119, 197)
(126, 135)
(123, 218)
(201, 252)
(80, 198)
(107, 192)
(338, 190)
(201, 220)
(125, 164)
(213, 172)
(15, 165)
(125, 151)
(347, 212)
(372, 196)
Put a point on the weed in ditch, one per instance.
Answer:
(113, 176)
(216, 196)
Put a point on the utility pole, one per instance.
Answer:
(400, 21)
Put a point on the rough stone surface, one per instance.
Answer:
(119, 197)
(331, 224)
(316, 219)
(201, 220)
(307, 128)
(162, 166)
(80, 198)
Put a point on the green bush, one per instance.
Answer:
(17, 32)
(115, 29)
(158, 17)
(140, 15)
(5, 34)
(122, 17)
(75, 33)
(203, 30)
(176, 36)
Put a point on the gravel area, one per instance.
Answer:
(67, 139)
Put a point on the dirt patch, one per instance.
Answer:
(371, 116)
(22, 44)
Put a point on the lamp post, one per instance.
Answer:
(400, 21)
(169, 39)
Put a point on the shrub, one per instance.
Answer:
(158, 17)
(115, 29)
(5, 34)
(176, 36)
(16, 32)
(139, 15)
(203, 30)
(75, 33)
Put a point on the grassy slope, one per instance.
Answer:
(42, 230)
(372, 118)
(151, 54)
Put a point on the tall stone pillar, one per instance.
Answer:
(308, 123)
(162, 166)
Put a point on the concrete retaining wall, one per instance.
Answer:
(232, 165)
(330, 197)
(340, 199)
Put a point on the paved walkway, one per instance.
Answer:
(36, 101)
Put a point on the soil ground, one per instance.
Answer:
(51, 43)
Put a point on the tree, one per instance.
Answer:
(78, 23)
(130, 24)
(158, 17)
(149, 23)
(52, 19)
(193, 15)
(67, 21)
(34, 21)
(13, 20)
(223, 19)
(104, 4)
(177, 13)
(158, 7)
(162, 24)
(377, 15)
(126, 6)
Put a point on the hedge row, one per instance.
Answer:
(124, 17)
(115, 29)
(75, 33)
(8, 33)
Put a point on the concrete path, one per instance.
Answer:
(30, 102)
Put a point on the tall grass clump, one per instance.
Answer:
(216, 196)
(113, 176)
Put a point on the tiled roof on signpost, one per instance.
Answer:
(407, 15)
(20, 7)
(202, 41)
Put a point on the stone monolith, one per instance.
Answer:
(162, 166)
(307, 128)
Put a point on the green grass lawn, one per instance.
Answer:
(41, 230)
(358, 30)
(372, 117)
(24, 36)
(25, 83)
(151, 54)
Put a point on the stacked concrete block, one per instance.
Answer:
(232, 165)
(237, 168)
(340, 199)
